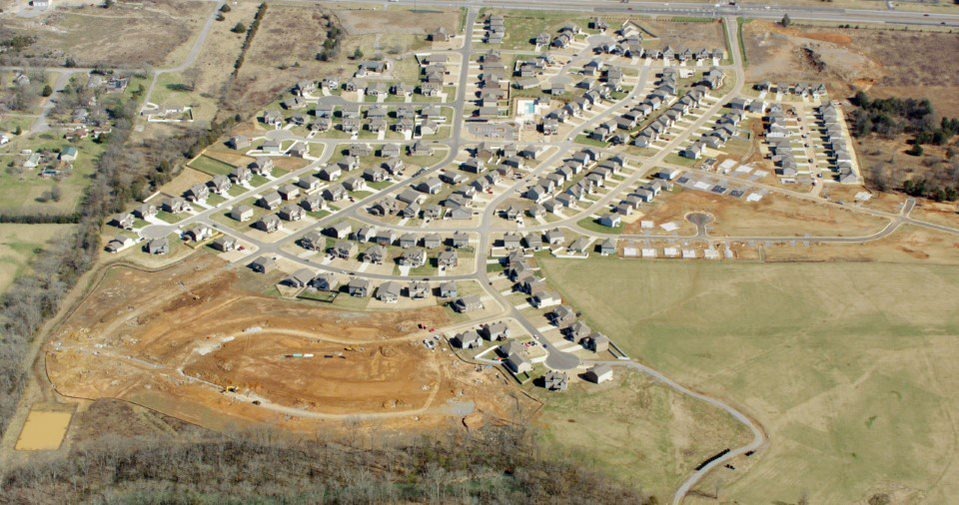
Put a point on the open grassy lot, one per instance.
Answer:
(637, 431)
(18, 244)
(523, 26)
(850, 367)
(211, 166)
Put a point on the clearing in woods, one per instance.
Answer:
(848, 366)
(43, 430)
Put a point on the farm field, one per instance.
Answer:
(637, 431)
(18, 243)
(849, 367)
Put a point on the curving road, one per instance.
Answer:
(759, 436)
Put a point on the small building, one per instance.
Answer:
(388, 292)
(468, 304)
(157, 246)
(226, 244)
(496, 331)
(418, 290)
(242, 213)
(325, 282)
(518, 364)
(596, 342)
(300, 279)
(599, 374)
(448, 290)
(555, 380)
(263, 265)
(269, 223)
(359, 288)
(468, 339)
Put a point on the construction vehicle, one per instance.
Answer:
(232, 389)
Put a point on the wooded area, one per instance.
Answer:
(938, 176)
(495, 465)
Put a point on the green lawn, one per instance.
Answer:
(585, 140)
(170, 218)
(850, 367)
(590, 224)
(211, 166)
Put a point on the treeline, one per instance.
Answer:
(41, 218)
(250, 33)
(499, 465)
(332, 42)
(894, 116)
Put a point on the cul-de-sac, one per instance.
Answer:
(463, 251)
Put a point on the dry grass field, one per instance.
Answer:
(908, 244)
(126, 35)
(637, 431)
(850, 367)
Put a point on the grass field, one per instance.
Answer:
(638, 431)
(18, 244)
(211, 166)
(850, 367)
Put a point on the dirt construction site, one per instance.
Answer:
(198, 342)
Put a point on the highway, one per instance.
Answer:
(707, 10)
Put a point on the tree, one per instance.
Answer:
(107, 4)
(56, 193)
(357, 54)
(238, 28)
(916, 149)
(18, 130)
(47, 90)
(225, 8)
(786, 21)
